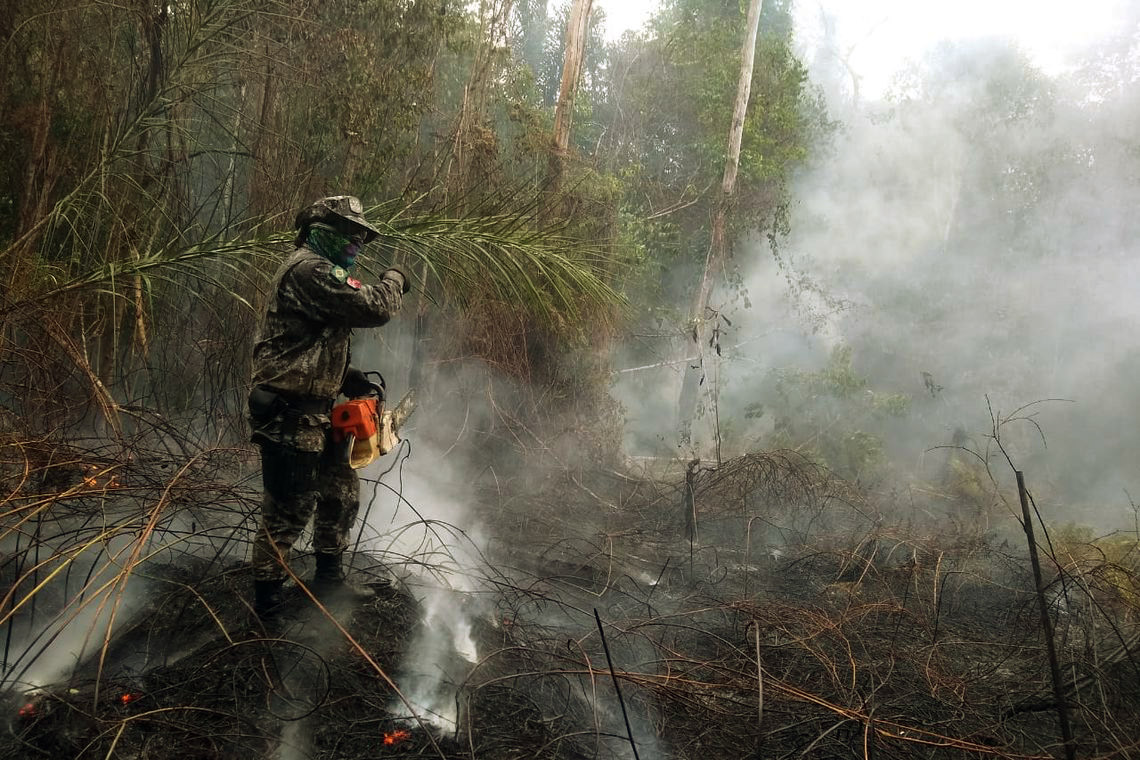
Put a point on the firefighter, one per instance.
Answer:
(300, 364)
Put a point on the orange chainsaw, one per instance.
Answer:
(365, 428)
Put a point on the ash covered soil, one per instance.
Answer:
(757, 611)
(196, 676)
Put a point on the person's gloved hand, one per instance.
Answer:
(399, 278)
(355, 383)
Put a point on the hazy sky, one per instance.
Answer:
(624, 14)
(885, 33)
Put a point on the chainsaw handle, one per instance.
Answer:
(377, 386)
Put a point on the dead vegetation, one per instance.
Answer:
(797, 622)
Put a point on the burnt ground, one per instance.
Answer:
(796, 622)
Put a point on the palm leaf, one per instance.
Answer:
(543, 272)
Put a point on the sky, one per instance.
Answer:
(884, 34)
(623, 15)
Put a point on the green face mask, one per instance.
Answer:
(338, 248)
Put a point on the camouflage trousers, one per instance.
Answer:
(300, 486)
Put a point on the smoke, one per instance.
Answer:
(420, 523)
(451, 515)
(72, 589)
(437, 661)
(978, 225)
(64, 620)
(295, 742)
(966, 243)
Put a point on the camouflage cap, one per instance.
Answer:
(335, 210)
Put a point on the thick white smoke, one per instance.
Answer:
(969, 234)
(422, 525)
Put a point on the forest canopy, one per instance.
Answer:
(154, 154)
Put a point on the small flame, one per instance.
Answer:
(396, 736)
(128, 698)
(27, 710)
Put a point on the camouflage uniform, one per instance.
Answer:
(300, 359)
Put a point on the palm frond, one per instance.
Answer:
(548, 274)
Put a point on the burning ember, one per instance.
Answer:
(127, 698)
(29, 710)
(90, 480)
(396, 736)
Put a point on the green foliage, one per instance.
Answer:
(371, 84)
(547, 276)
(666, 114)
(833, 415)
(149, 150)
(1107, 566)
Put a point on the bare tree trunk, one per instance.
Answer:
(743, 90)
(231, 168)
(471, 123)
(576, 29)
(264, 152)
(699, 324)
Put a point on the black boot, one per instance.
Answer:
(329, 579)
(267, 599)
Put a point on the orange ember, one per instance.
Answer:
(396, 736)
(126, 698)
(91, 480)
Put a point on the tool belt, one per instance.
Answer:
(266, 403)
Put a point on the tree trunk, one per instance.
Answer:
(264, 154)
(576, 32)
(743, 90)
(699, 324)
(471, 126)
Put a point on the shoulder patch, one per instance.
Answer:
(339, 274)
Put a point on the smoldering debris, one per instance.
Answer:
(797, 619)
(846, 629)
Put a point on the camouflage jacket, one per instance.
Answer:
(302, 348)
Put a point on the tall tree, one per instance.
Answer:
(576, 34)
(700, 324)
